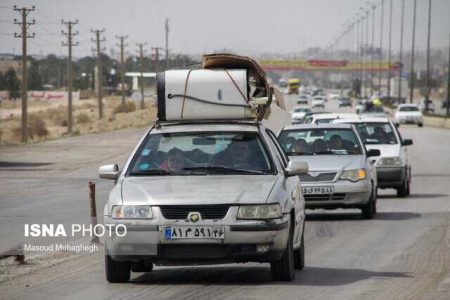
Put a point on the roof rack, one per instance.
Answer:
(226, 87)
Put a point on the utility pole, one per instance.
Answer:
(167, 43)
(427, 96)
(122, 46)
(70, 34)
(141, 58)
(411, 91)
(389, 51)
(24, 11)
(364, 52)
(99, 69)
(156, 58)
(372, 63)
(400, 66)
(381, 45)
(448, 81)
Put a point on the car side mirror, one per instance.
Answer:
(407, 142)
(373, 152)
(109, 172)
(295, 168)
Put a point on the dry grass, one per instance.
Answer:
(50, 122)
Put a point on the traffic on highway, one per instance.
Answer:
(226, 150)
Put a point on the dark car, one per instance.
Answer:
(345, 101)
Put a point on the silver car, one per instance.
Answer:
(205, 193)
(340, 174)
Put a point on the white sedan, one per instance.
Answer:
(409, 114)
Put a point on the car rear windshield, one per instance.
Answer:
(320, 141)
(408, 108)
(301, 110)
(373, 133)
(201, 153)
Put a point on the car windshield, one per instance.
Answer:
(301, 110)
(201, 153)
(324, 121)
(373, 133)
(318, 141)
(408, 108)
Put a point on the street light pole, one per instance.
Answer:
(411, 91)
(389, 51)
(364, 52)
(400, 67)
(381, 45)
(373, 44)
(427, 96)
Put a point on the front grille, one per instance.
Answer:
(181, 212)
(325, 197)
(320, 177)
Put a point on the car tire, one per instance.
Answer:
(367, 211)
(283, 268)
(299, 255)
(403, 190)
(420, 124)
(116, 271)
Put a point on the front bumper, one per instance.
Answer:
(145, 241)
(409, 120)
(390, 177)
(346, 194)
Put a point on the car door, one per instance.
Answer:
(293, 188)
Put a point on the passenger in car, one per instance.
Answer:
(319, 146)
(300, 146)
(174, 161)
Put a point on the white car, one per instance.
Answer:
(393, 166)
(340, 173)
(302, 99)
(334, 95)
(328, 118)
(409, 114)
(318, 101)
(299, 113)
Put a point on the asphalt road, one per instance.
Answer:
(403, 253)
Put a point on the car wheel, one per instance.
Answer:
(402, 191)
(299, 255)
(116, 271)
(367, 209)
(374, 200)
(420, 124)
(283, 269)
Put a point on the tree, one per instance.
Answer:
(12, 83)
(2, 81)
(34, 76)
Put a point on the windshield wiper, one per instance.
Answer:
(150, 172)
(220, 169)
(323, 152)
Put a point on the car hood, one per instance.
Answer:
(298, 115)
(331, 162)
(214, 189)
(385, 150)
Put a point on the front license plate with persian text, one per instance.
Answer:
(194, 232)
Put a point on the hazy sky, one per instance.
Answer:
(198, 26)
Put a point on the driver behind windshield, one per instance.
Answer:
(174, 160)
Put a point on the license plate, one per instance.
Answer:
(308, 190)
(194, 232)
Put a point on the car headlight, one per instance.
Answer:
(390, 161)
(264, 211)
(354, 175)
(132, 212)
